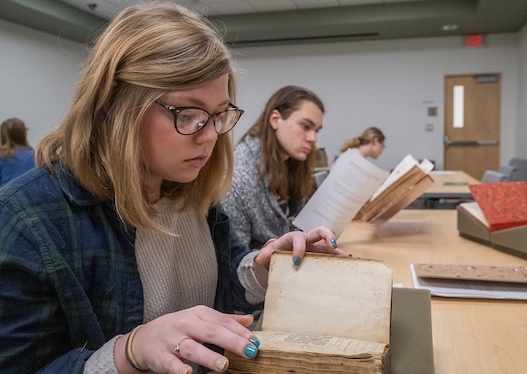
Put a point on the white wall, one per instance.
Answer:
(521, 138)
(388, 84)
(38, 76)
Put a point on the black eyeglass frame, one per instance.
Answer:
(176, 110)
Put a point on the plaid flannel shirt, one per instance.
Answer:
(68, 274)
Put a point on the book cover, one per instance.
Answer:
(503, 204)
(397, 187)
(408, 196)
(332, 314)
(479, 281)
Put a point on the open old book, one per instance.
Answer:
(405, 183)
(355, 184)
(330, 315)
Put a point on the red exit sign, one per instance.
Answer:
(474, 40)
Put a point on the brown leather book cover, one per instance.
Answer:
(504, 204)
(403, 200)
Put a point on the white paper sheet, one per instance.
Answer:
(470, 289)
(350, 183)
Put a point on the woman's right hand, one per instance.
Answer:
(153, 344)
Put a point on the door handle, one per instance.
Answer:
(488, 142)
(449, 143)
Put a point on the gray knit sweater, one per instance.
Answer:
(255, 213)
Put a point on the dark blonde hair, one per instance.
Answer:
(13, 134)
(291, 179)
(146, 51)
(366, 137)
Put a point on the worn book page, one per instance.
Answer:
(348, 186)
(294, 342)
(328, 295)
(281, 353)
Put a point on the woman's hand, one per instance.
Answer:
(163, 344)
(320, 239)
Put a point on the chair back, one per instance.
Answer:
(320, 176)
(520, 174)
(491, 176)
(508, 171)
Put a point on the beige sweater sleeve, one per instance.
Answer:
(101, 362)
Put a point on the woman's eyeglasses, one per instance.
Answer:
(190, 120)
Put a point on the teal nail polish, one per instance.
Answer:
(297, 260)
(334, 243)
(250, 351)
(255, 341)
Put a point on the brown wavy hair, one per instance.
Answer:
(366, 137)
(146, 51)
(291, 179)
(13, 134)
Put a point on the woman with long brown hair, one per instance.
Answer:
(273, 167)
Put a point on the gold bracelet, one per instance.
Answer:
(128, 350)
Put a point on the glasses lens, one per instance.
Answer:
(225, 121)
(189, 121)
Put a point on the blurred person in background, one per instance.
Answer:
(16, 155)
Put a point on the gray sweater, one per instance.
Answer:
(255, 213)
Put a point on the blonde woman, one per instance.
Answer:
(369, 144)
(115, 256)
(16, 155)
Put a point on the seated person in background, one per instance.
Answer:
(273, 167)
(369, 144)
(16, 155)
(115, 256)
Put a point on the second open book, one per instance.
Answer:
(329, 315)
(355, 185)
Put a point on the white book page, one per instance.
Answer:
(426, 166)
(350, 183)
(474, 209)
(470, 289)
(406, 164)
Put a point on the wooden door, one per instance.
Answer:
(472, 132)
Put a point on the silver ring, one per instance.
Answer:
(177, 347)
(307, 240)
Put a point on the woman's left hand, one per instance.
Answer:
(320, 239)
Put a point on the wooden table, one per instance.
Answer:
(450, 188)
(469, 335)
(450, 183)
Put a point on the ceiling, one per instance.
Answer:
(259, 22)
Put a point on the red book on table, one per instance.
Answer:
(503, 204)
